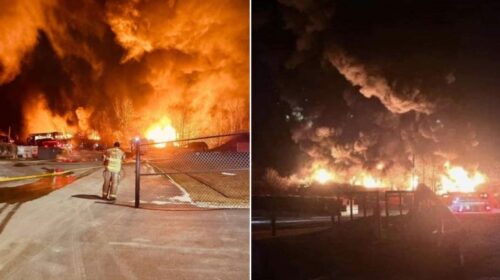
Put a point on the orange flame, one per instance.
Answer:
(322, 176)
(39, 119)
(93, 135)
(457, 179)
(413, 182)
(452, 179)
(318, 173)
(161, 131)
(368, 181)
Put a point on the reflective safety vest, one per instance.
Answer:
(114, 157)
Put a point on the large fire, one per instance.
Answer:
(94, 135)
(368, 181)
(162, 131)
(452, 179)
(82, 66)
(38, 118)
(322, 176)
(457, 179)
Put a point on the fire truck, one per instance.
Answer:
(468, 202)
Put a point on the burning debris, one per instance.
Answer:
(457, 179)
(113, 69)
(39, 119)
(449, 179)
(161, 132)
(322, 176)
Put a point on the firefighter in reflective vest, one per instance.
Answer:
(113, 158)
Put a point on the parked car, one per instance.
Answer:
(197, 146)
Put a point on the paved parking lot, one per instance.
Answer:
(70, 233)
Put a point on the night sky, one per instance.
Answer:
(439, 54)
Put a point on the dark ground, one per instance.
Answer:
(353, 252)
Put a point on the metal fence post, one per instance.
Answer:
(273, 218)
(339, 213)
(333, 211)
(400, 203)
(137, 173)
(377, 217)
(364, 204)
(386, 196)
(350, 206)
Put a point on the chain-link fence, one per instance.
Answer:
(303, 210)
(205, 172)
(385, 210)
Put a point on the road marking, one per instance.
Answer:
(10, 179)
(185, 197)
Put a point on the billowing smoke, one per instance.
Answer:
(371, 84)
(21, 21)
(392, 124)
(119, 66)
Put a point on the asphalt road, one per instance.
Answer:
(66, 231)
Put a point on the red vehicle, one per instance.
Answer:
(50, 140)
(54, 143)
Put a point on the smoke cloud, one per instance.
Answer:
(371, 84)
(392, 119)
(128, 64)
(21, 21)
